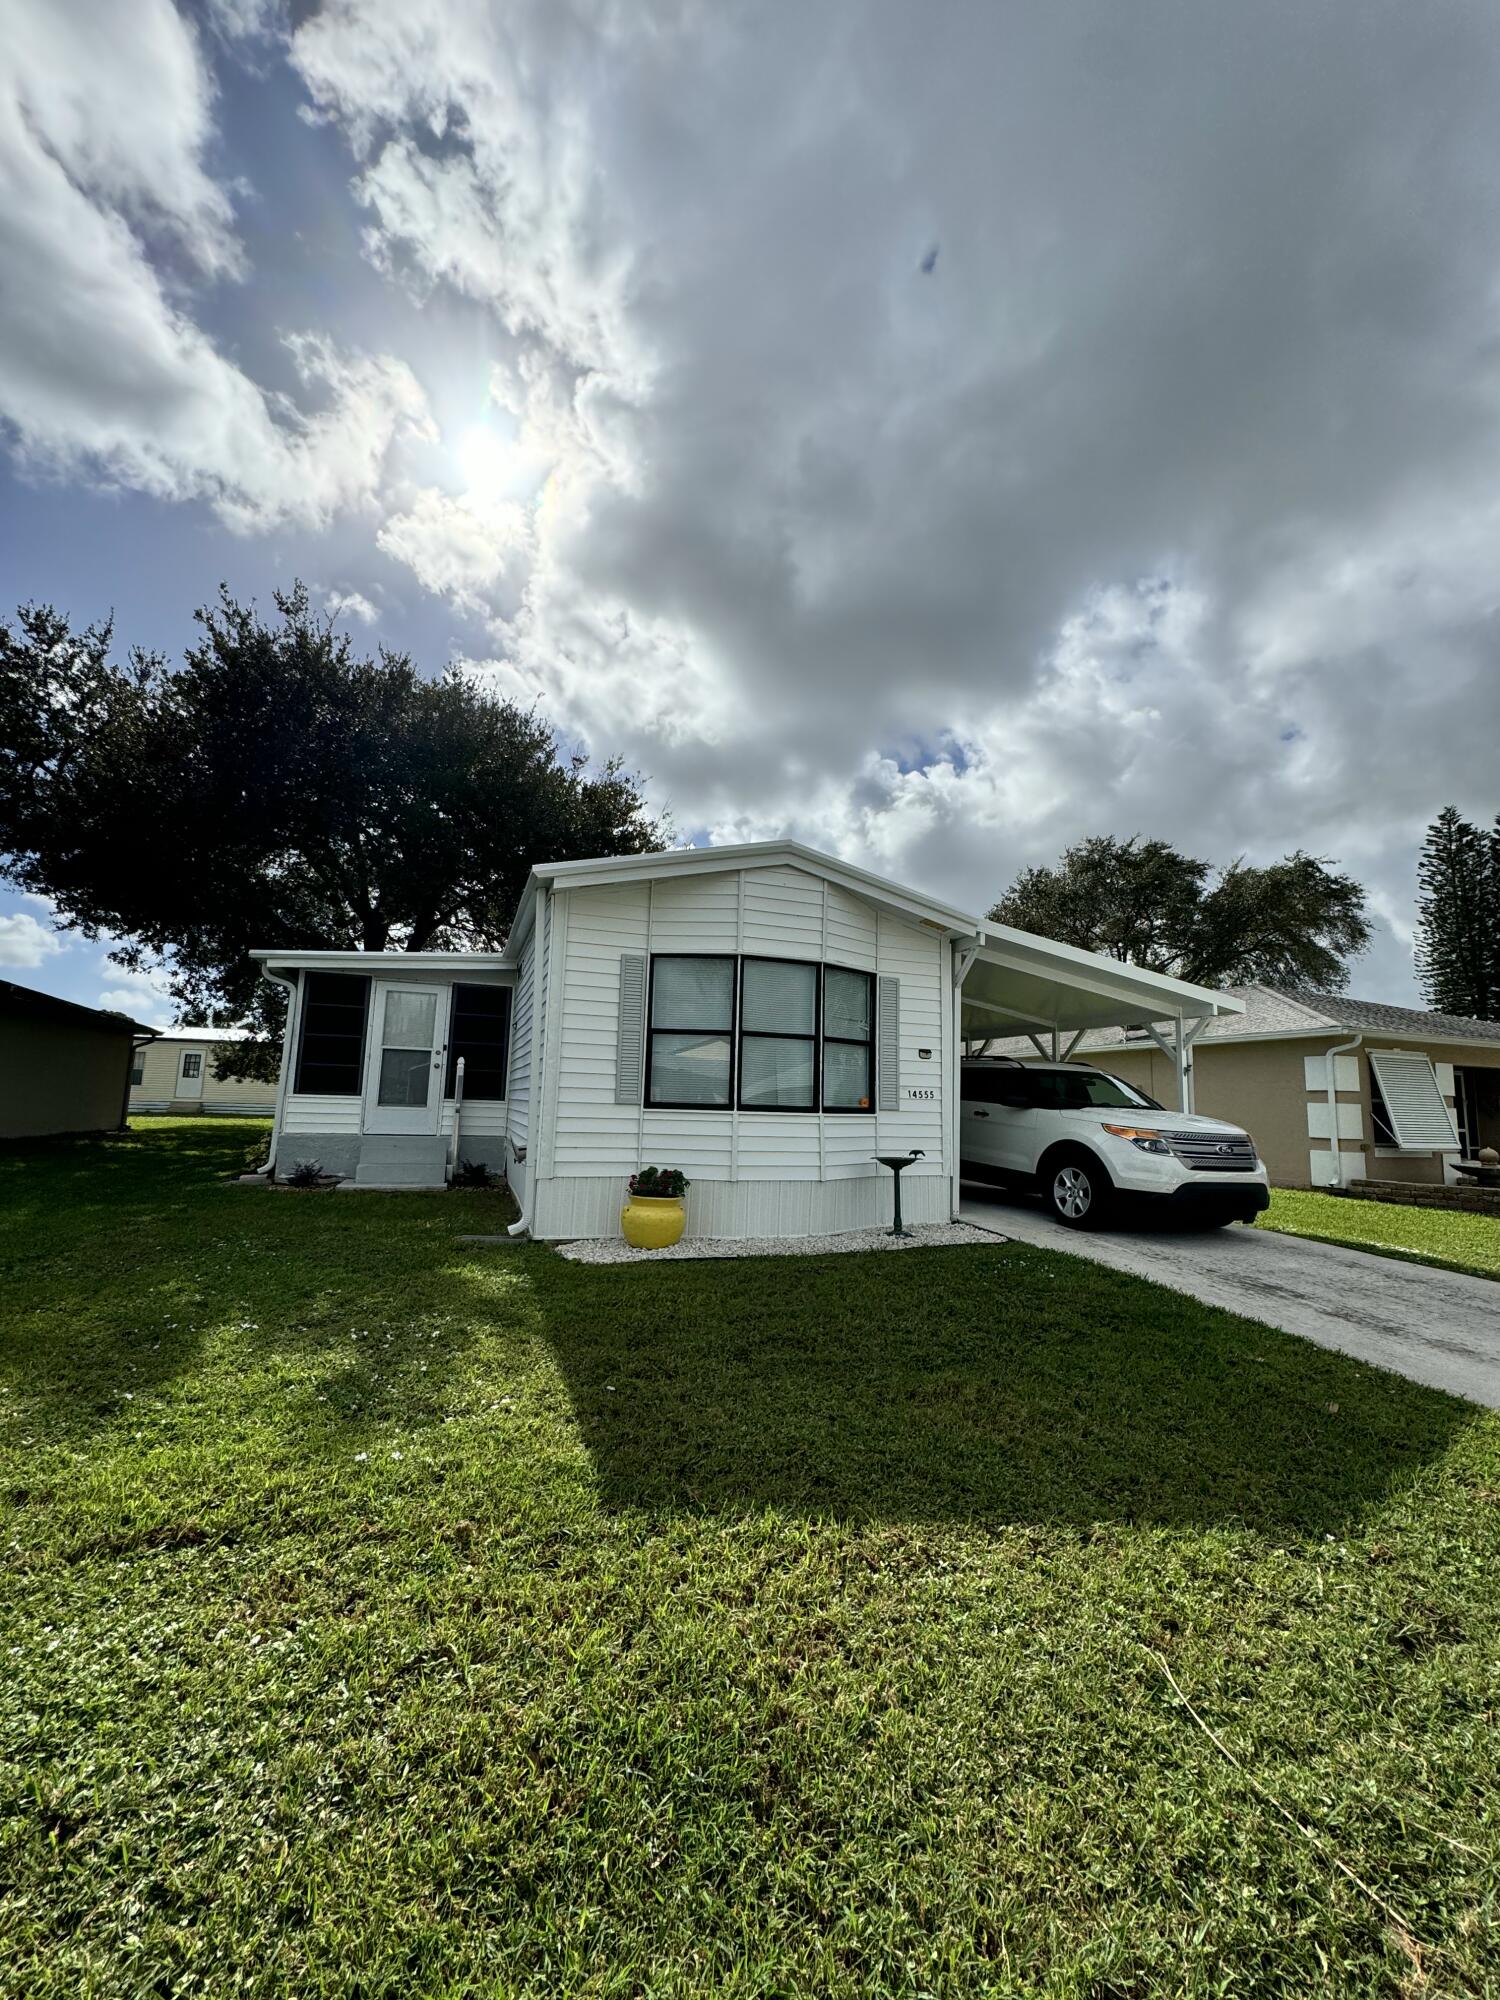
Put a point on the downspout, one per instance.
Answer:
(1336, 1154)
(963, 957)
(458, 1113)
(293, 989)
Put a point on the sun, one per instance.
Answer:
(486, 460)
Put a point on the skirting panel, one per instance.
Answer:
(339, 1152)
(591, 1206)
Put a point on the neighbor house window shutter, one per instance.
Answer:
(888, 1057)
(630, 1032)
(1418, 1116)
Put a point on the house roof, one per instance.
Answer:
(27, 1003)
(1374, 1014)
(205, 1034)
(364, 961)
(1274, 1013)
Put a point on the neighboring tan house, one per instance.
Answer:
(175, 1074)
(66, 1067)
(1412, 1092)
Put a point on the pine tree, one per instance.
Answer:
(1458, 917)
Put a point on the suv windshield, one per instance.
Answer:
(1087, 1090)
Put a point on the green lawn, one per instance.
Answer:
(1446, 1237)
(384, 1618)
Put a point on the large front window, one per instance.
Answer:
(768, 1034)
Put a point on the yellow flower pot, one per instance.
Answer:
(652, 1221)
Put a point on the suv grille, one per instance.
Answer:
(1211, 1154)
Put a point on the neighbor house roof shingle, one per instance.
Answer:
(1401, 1020)
(1278, 1010)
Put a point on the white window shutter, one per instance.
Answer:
(1419, 1118)
(888, 1051)
(630, 1032)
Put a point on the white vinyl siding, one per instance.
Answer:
(783, 914)
(342, 1114)
(321, 1114)
(591, 1132)
(519, 1090)
(773, 913)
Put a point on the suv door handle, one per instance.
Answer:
(981, 1114)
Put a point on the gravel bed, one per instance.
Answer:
(925, 1236)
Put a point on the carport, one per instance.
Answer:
(1013, 983)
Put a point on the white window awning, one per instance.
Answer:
(1414, 1105)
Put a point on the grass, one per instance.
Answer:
(381, 1617)
(1449, 1238)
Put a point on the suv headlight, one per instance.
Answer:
(1141, 1136)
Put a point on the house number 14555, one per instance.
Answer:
(920, 1096)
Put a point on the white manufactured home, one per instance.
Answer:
(765, 1017)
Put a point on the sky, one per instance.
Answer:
(935, 434)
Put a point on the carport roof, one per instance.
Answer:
(1022, 984)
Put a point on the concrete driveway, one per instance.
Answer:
(1437, 1327)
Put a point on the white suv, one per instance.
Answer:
(1082, 1139)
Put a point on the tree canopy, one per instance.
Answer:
(278, 788)
(1293, 923)
(1458, 917)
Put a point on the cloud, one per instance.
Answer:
(459, 548)
(142, 995)
(1163, 500)
(25, 942)
(351, 604)
(248, 20)
(114, 217)
(151, 1010)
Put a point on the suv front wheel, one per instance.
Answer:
(1077, 1189)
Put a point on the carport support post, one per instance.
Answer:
(964, 956)
(1179, 1048)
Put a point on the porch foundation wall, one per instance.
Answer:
(339, 1152)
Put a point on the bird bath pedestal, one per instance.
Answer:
(896, 1161)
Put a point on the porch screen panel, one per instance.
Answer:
(480, 1033)
(331, 1049)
